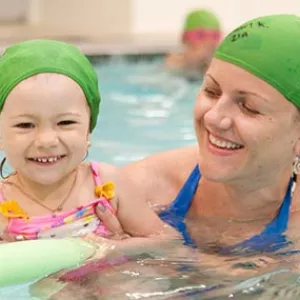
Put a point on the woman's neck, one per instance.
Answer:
(242, 200)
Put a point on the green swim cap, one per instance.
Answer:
(30, 58)
(269, 48)
(199, 19)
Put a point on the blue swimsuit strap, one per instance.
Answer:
(182, 203)
(270, 239)
(174, 215)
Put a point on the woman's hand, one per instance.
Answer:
(111, 222)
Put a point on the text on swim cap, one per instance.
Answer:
(236, 36)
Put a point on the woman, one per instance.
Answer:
(235, 190)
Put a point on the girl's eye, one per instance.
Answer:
(25, 125)
(66, 122)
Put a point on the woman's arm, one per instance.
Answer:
(155, 180)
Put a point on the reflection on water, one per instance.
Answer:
(150, 277)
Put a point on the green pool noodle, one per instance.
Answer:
(25, 261)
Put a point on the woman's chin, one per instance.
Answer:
(217, 172)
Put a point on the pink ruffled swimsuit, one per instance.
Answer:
(76, 222)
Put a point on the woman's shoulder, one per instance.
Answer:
(161, 175)
(168, 162)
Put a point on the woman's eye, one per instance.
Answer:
(211, 93)
(248, 109)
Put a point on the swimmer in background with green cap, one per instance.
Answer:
(201, 35)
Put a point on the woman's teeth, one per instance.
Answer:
(223, 144)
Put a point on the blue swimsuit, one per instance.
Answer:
(271, 239)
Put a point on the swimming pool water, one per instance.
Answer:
(144, 110)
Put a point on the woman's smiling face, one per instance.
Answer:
(244, 126)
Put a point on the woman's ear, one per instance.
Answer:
(297, 147)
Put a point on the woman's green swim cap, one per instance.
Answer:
(29, 58)
(269, 48)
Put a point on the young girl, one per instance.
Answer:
(49, 104)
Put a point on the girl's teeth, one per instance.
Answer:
(223, 144)
(48, 159)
